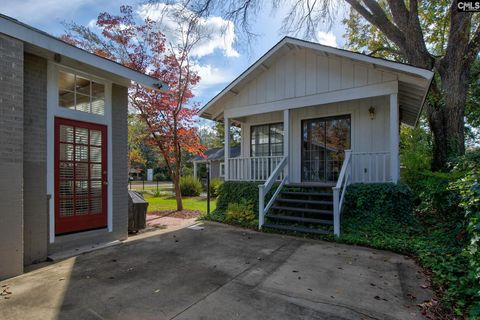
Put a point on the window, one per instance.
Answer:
(222, 170)
(266, 140)
(80, 93)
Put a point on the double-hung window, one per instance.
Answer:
(266, 140)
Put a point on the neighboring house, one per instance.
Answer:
(215, 158)
(313, 116)
(63, 146)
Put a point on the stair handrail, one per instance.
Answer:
(263, 189)
(339, 191)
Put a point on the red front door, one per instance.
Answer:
(80, 176)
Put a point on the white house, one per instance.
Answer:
(317, 116)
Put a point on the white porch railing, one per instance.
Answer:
(265, 188)
(339, 191)
(371, 167)
(253, 168)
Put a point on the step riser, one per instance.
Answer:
(302, 209)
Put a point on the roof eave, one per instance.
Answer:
(28, 34)
(396, 66)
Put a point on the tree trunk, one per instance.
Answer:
(178, 193)
(446, 117)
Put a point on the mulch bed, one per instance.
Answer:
(184, 214)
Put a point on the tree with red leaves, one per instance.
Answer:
(167, 115)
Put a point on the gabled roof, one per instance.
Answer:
(40, 39)
(413, 85)
(218, 154)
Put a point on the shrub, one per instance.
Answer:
(231, 192)
(377, 203)
(215, 185)
(161, 176)
(241, 213)
(190, 186)
(434, 198)
(468, 188)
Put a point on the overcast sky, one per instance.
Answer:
(219, 60)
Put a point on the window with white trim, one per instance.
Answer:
(222, 169)
(80, 93)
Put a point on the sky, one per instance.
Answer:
(219, 60)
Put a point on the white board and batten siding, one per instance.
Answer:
(302, 72)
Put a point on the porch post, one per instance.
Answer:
(286, 140)
(394, 138)
(226, 122)
(195, 169)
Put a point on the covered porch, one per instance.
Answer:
(311, 144)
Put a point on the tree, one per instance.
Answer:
(167, 116)
(403, 28)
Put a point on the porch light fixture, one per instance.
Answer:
(371, 111)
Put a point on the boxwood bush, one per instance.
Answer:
(190, 186)
(238, 193)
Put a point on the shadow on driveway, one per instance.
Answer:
(221, 272)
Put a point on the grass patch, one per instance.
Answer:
(169, 203)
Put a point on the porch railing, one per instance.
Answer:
(371, 167)
(277, 174)
(339, 191)
(253, 168)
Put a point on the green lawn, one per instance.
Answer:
(168, 203)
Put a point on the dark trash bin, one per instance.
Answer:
(137, 211)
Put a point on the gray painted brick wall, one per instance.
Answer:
(11, 157)
(35, 153)
(120, 160)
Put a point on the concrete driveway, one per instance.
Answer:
(220, 272)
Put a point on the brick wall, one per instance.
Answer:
(120, 160)
(11, 157)
(34, 163)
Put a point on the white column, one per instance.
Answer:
(286, 139)
(394, 138)
(226, 122)
(195, 169)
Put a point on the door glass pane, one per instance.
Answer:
(95, 154)
(66, 207)
(81, 188)
(66, 133)
(95, 138)
(338, 140)
(323, 146)
(66, 171)
(81, 136)
(66, 152)
(81, 206)
(95, 171)
(81, 171)
(81, 153)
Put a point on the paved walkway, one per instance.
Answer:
(220, 272)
